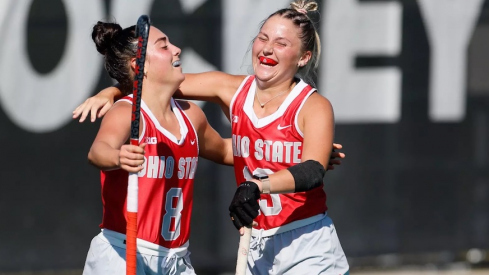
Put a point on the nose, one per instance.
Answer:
(268, 49)
(176, 51)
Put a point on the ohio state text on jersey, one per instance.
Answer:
(165, 183)
(269, 144)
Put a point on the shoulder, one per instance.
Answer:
(117, 121)
(119, 108)
(316, 106)
(317, 102)
(193, 112)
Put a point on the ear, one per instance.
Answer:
(133, 64)
(306, 56)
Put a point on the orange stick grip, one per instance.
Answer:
(131, 244)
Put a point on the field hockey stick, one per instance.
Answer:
(243, 250)
(142, 32)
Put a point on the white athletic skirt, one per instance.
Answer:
(107, 256)
(305, 247)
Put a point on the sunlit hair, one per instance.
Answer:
(298, 14)
(118, 46)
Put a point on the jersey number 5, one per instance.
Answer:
(272, 199)
(170, 228)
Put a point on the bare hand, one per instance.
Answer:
(96, 105)
(131, 157)
(336, 156)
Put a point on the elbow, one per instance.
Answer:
(225, 160)
(91, 158)
(94, 161)
(103, 158)
(229, 161)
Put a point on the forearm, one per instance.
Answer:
(280, 182)
(219, 152)
(115, 93)
(228, 152)
(214, 86)
(103, 156)
(301, 177)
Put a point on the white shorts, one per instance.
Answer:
(310, 249)
(107, 257)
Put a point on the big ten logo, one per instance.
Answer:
(150, 140)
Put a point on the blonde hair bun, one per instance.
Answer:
(304, 6)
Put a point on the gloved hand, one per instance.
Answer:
(244, 206)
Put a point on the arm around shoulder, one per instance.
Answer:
(216, 86)
(98, 104)
(113, 133)
(211, 145)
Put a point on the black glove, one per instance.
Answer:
(244, 207)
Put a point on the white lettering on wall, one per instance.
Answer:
(449, 25)
(41, 103)
(350, 29)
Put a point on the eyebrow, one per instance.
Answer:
(278, 38)
(161, 39)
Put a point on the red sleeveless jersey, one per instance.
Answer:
(267, 145)
(165, 183)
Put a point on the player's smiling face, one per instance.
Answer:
(163, 60)
(276, 50)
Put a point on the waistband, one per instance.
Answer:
(144, 247)
(287, 227)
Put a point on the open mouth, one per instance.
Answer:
(176, 63)
(267, 61)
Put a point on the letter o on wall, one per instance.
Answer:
(43, 103)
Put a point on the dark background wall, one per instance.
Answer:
(410, 187)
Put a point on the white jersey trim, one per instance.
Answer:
(296, 123)
(290, 226)
(178, 114)
(190, 121)
(144, 247)
(235, 96)
(264, 121)
(181, 122)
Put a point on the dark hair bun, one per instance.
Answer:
(103, 35)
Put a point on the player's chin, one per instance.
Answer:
(179, 76)
(264, 75)
(181, 80)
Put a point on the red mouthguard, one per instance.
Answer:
(268, 61)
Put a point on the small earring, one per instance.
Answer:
(145, 74)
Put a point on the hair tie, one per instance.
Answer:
(303, 11)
